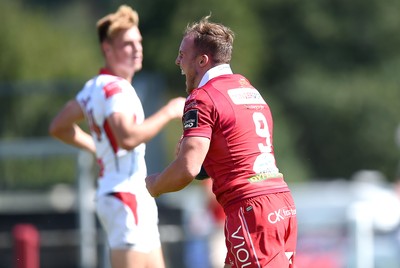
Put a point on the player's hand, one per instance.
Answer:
(175, 107)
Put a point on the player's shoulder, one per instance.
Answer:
(199, 97)
(110, 85)
(104, 86)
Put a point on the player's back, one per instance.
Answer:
(241, 156)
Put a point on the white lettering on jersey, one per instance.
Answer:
(245, 96)
(265, 161)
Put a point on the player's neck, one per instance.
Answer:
(127, 76)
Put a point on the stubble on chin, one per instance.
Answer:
(190, 85)
(189, 88)
(188, 91)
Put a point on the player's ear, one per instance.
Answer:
(203, 60)
(105, 47)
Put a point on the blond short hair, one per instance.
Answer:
(213, 39)
(124, 18)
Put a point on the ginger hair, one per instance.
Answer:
(124, 18)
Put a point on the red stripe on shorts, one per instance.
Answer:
(129, 200)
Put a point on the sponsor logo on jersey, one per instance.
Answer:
(244, 82)
(190, 119)
(240, 249)
(257, 107)
(190, 104)
(85, 101)
(111, 89)
(245, 96)
(281, 214)
(264, 176)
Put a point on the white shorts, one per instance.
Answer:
(129, 220)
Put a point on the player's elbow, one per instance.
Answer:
(54, 130)
(128, 143)
(61, 131)
(184, 179)
(189, 173)
(185, 168)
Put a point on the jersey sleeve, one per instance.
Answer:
(199, 115)
(82, 96)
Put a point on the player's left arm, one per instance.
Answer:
(65, 128)
(183, 169)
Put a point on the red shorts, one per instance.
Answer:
(262, 232)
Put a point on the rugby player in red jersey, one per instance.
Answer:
(227, 128)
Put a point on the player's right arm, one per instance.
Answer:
(129, 134)
(65, 128)
(182, 170)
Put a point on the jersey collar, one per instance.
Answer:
(214, 72)
(105, 71)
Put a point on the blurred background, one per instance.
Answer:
(328, 69)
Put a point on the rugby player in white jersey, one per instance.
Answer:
(119, 131)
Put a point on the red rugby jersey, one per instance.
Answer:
(233, 115)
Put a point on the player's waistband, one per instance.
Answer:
(243, 201)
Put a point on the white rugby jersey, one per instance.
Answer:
(120, 170)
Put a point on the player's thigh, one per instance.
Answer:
(118, 221)
(257, 229)
(126, 258)
(155, 259)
